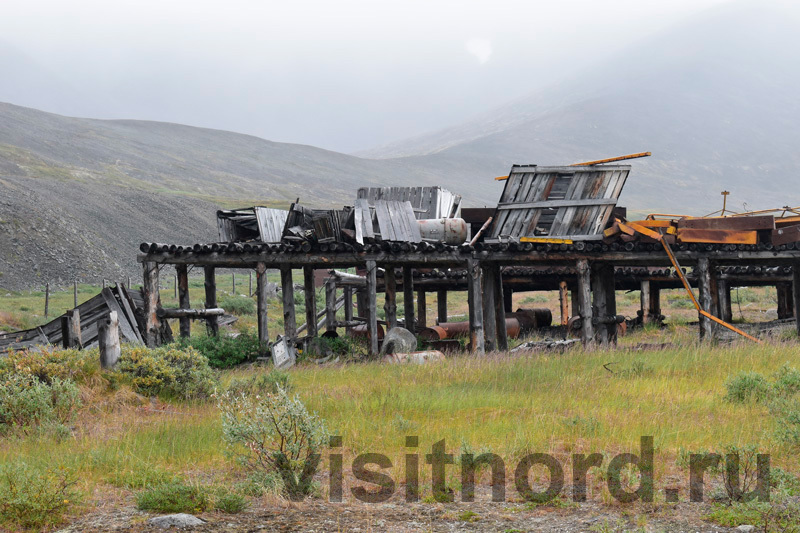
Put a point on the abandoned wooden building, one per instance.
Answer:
(554, 228)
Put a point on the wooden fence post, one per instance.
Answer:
(261, 304)
(585, 301)
(75, 293)
(311, 301)
(75, 328)
(372, 307)
(152, 334)
(46, 299)
(108, 340)
(705, 301)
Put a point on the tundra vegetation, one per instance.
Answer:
(184, 428)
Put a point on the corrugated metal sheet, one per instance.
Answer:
(427, 202)
(251, 224)
(558, 202)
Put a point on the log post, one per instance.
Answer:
(311, 301)
(66, 331)
(75, 292)
(372, 307)
(233, 283)
(563, 294)
(785, 301)
(287, 292)
(183, 298)
(489, 317)
(796, 294)
(75, 328)
(390, 296)
(441, 306)
(408, 299)
(46, 299)
(655, 303)
(475, 301)
(211, 299)
(585, 301)
(422, 309)
(575, 302)
(605, 306)
(705, 301)
(644, 302)
(261, 305)
(500, 308)
(330, 305)
(724, 298)
(108, 340)
(175, 284)
(508, 297)
(152, 334)
(348, 306)
(250, 283)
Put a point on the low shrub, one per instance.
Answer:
(26, 402)
(786, 381)
(174, 498)
(238, 305)
(274, 433)
(167, 371)
(230, 503)
(224, 351)
(261, 383)
(50, 363)
(747, 387)
(35, 499)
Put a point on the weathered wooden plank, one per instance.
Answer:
(585, 301)
(499, 309)
(125, 327)
(372, 307)
(108, 340)
(287, 293)
(704, 297)
(475, 299)
(408, 299)
(390, 296)
(152, 333)
(183, 299)
(261, 305)
(311, 301)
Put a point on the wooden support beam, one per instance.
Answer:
(66, 331)
(372, 307)
(574, 301)
(348, 306)
(75, 326)
(287, 292)
(724, 299)
(500, 308)
(311, 301)
(441, 306)
(152, 334)
(108, 340)
(408, 299)
(261, 306)
(644, 302)
(655, 303)
(585, 301)
(508, 298)
(489, 317)
(422, 309)
(211, 299)
(475, 300)
(562, 299)
(785, 300)
(704, 299)
(604, 303)
(390, 296)
(182, 273)
(189, 313)
(330, 305)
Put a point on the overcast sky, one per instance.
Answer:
(344, 75)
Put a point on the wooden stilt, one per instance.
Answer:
(372, 309)
(585, 301)
(182, 274)
(311, 301)
(408, 299)
(704, 286)
(211, 299)
(574, 301)
(724, 298)
(600, 304)
(348, 306)
(785, 300)
(261, 305)
(289, 315)
(644, 302)
(475, 297)
(390, 296)
(75, 327)
(422, 309)
(108, 340)
(500, 308)
(152, 335)
(508, 297)
(796, 294)
(441, 306)
(562, 299)
(655, 303)
(330, 305)
(489, 317)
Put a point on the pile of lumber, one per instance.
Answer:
(744, 229)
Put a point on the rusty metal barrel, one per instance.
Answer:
(540, 317)
(449, 330)
(362, 331)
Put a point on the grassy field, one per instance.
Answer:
(579, 401)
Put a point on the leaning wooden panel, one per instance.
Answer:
(574, 202)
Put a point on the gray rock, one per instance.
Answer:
(745, 528)
(398, 340)
(176, 520)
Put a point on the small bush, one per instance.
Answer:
(230, 503)
(224, 351)
(787, 412)
(51, 363)
(262, 383)
(167, 371)
(273, 433)
(174, 498)
(26, 402)
(35, 499)
(787, 381)
(747, 387)
(238, 305)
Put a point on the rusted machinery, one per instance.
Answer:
(520, 322)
